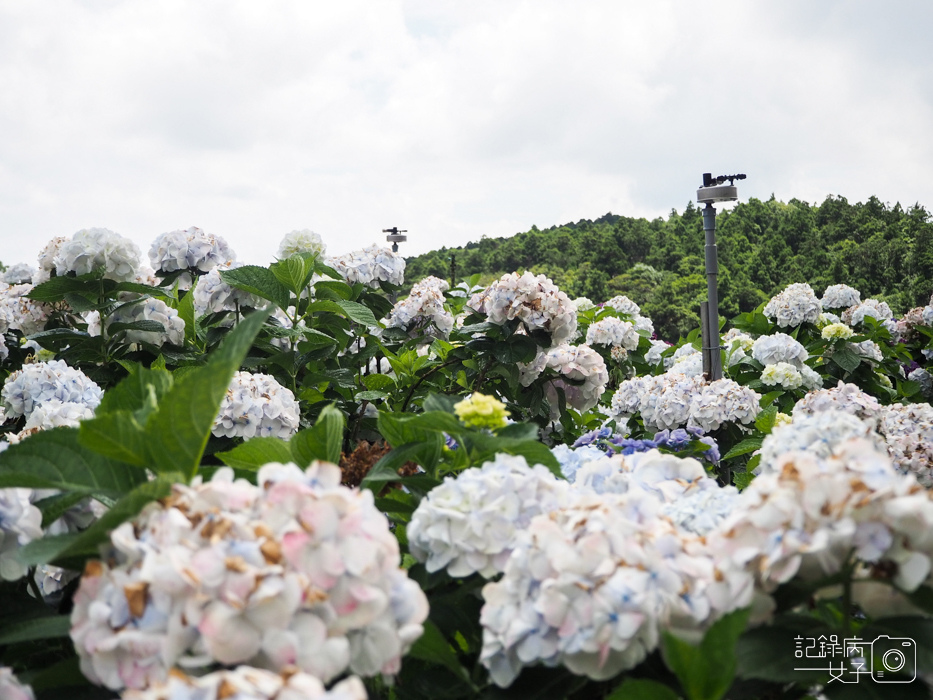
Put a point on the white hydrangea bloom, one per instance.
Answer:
(151, 309)
(723, 401)
(4, 353)
(780, 347)
(423, 310)
(576, 363)
(868, 349)
(927, 315)
(796, 305)
(298, 572)
(812, 380)
(834, 331)
(827, 319)
(908, 431)
(53, 413)
(653, 355)
(92, 248)
(805, 517)
(470, 523)
(189, 248)
(248, 683)
(370, 266)
(666, 404)
(878, 310)
(212, 294)
(924, 379)
(613, 332)
(700, 511)
(626, 400)
(737, 345)
(644, 325)
(571, 459)
(817, 433)
(591, 586)
(37, 383)
(12, 689)
(20, 523)
(46, 260)
(534, 300)
(667, 477)
(691, 365)
(782, 374)
(20, 273)
(683, 351)
(19, 313)
(843, 397)
(303, 241)
(840, 296)
(624, 305)
(582, 304)
(257, 405)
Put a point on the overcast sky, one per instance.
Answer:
(451, 119)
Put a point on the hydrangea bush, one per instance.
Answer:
(314, 480)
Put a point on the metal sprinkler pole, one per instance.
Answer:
(712, 359)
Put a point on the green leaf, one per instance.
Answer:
(765, 420)
(293, 272)
(434, 648)
(706, 671)
(846, 358)
(56, 288)
(358, 313)
(747, 445)
(187, 314)
(257, 452)
(742, 479)
(148, 326)
(370, 396)
(133, 392)
(767, 652)
(378, 382)
(769, 398)
(518, 348)
(642, 689)
(51, 627)
(56, 506)
(323, 441)
(54, 459)
(178, 431)
(332, 289)
(259, 281)
(118, 436)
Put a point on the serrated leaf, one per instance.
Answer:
(332, 289)
(178, 431)
(846, 358)
(370, 396)
(132, 392)
(293, 272)
(54, 459)
(187, 314)
(118, 436)
(769, 398)
(358, 313)
(256, 452)
(765, 420)
(378, 382)
(148, 326)
(747, 445)
(259, 281)
(56, 288)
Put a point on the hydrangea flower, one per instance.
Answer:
(690, 365)
(835, 331)
(684, 351)
(817, 433)
(150, 309)
(92, 248)
(20, 523)
(247, 683)
(613, 332)
(20, 273)
(840, 296)
(46, 260)
(624, 305)
(908, 431)
(737, 346)
(868, 349)
(572, 458)
(796, 305)
(297, 572)
(20, 313)
(927, 315)
(782, 374)
(878, 310)
(653, 355)
(780, 347)
(303, 241)
(37, 383)
(582, 304)
(423, 310)
(189, 249)
(827, 319)
(804, 517)
(470, 523)
(370, 266)
(592, 585)
(213, 295)
(482, 411)
(52, 413)
(257, 405)
(533, 300)
(723, 401)
(11, 688)
(843, 397)
(582, 376)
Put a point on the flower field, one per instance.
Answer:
(317, 480)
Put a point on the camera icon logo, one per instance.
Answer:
(894, 659)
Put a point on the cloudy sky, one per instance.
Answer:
(451, 119)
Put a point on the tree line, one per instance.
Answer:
(885, 251)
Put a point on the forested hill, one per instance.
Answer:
(885, 251)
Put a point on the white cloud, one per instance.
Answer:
(450, 119)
